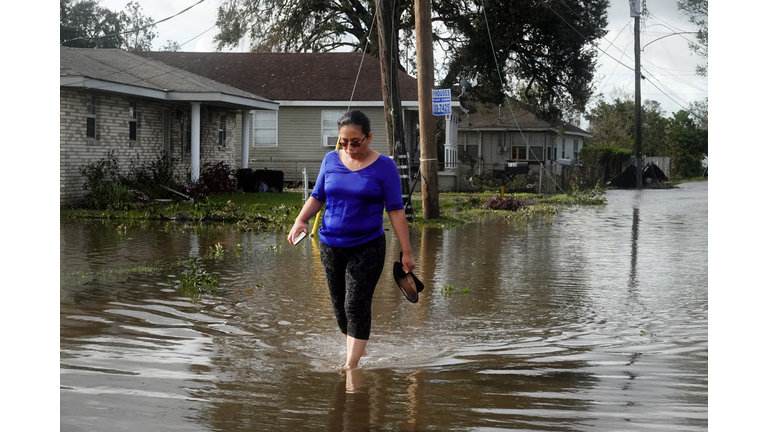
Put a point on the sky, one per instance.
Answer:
(667, 62)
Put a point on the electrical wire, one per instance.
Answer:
(134, 30)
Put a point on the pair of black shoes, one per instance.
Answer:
(409, 284)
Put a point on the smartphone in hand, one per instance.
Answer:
(299, 238)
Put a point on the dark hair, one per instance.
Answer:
(356, 118)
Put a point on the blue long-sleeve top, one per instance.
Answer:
(356, 200)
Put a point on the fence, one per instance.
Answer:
(544, 179)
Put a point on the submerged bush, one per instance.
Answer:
(509, 203)
(195, 280)
(592, 196)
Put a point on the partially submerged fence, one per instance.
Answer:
(544, 179)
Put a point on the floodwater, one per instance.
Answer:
(594, 319)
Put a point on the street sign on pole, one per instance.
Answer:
(441, 102)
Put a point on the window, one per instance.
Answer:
(536, 146)
(167, 132)
(575, 150)
(222, 131)
(537, 153)
(186, 134)
(265, 128)
(519, 152)
(330, 132)
(90, 116)
(132, 121)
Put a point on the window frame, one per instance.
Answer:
(185, 125)
(222, 131)
(333, 136)
(91, 117)
(256, 129)
(133, 121)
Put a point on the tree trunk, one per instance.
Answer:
(390, 89)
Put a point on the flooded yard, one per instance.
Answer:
(594, 319)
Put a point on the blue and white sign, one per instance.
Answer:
(441, 102)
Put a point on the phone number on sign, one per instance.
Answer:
(441, 108)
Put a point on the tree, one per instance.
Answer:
(612, 123)
(302, 25)
(85, 24)
(700, 112)
(171, 46)
(543, 47)
(697, 13)
(688, 145)
(655, 129)
(543, 50)
(138, 27)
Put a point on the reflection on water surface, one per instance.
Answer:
(597, 321)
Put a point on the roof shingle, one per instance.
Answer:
(123, 67)
(327, 76)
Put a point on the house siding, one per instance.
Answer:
(112, 133)
(299, 141)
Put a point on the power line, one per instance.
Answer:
(135, 30)
(198, 35)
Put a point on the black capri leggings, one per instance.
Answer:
(352, 274)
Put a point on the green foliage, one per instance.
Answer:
(604, 156)
(85, 24)
(688, 145)
(139, 27)
(195, 280)
(610, 157)
(216, 252)
(104, 185)
(108, 188)
(697, 12)
(594, 196)
(152, 176)
(215, 179)
(101, 171)
(507, 203)
(553, 63)
(612, 123)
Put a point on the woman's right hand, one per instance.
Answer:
(298, 227)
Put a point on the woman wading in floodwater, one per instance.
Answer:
(357, 184)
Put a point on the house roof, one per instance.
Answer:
(502, 119)
(119, 71)
(295, 78)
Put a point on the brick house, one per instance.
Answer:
(112, 99)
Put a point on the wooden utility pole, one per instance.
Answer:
(635, 11)
(390, 92)
(430, 198)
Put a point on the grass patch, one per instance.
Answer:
(277, 211)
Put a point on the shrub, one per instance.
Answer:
(592, 196)
(214, 179)
(150, 178)
(104, 170)
(110, 195)
(509, 203)
(104, 185)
